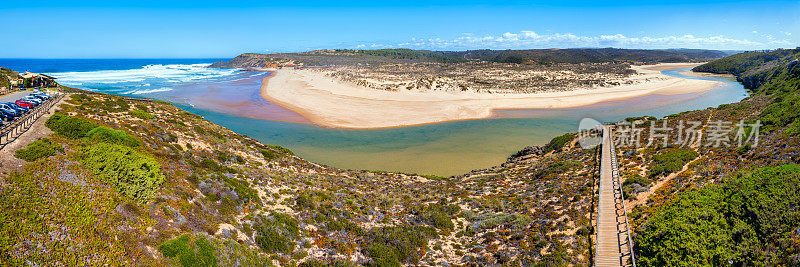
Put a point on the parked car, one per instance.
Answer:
(33, 100)
(41, 96)
(41, 93)
(24, 103)
(17, 106)
(10, 112)
(37, 97)
(13, 107)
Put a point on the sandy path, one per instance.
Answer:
(10, 163)
(329, 102)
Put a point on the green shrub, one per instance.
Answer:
(243, 190)
(559, 142)
(398, 244)
(212, 165)
(274, 152)
(68, 126)
(383, 255)
(438, 215)
(670, 161)
(108, 135)
(197, 252)
(133, 174)
(41, 148)
(276, 234)
(309, 200)
(141, 114)
(749, 219)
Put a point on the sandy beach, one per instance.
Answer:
(705, 74)
(329, 102)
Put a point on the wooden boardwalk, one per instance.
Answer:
(613, 243)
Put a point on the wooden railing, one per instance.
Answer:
(618, 191)
(12, 130)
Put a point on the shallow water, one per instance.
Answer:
(231, 98)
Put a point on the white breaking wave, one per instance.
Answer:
(151, 74)
(139, 92)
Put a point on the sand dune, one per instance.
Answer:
(329, 102)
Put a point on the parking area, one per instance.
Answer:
(14, 96)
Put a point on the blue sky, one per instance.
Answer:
(181, 29)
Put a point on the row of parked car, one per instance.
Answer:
(12, 110)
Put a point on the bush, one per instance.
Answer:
(276, 234)
(133, 174)
(68, 126)
(670, 161)
(189, 253)
(274, 152)
(439, 216)
(559, 142)
(108, 135)
(212, 165)
(41, 148)
(309, 200)
(398, 244)
(749, 219)
(141, 114)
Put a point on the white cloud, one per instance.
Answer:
(530, 40)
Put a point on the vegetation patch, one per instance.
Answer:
(309, 200)
(559, 142)
(273, 152)
(438, 215)
(132, 173)
(750, 219)
(189, 251)
(41, 148)
(69, 126)
(396, 245)
(670, 161)
(276, 233)
(108, 135)
(141, 114)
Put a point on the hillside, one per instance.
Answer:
(336, 57)
(707, 204)
(532, 56)
(753, 69)
(4, 77)
(123, 181)
(590, 55)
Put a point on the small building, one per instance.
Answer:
(37, 80)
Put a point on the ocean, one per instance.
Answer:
(231, 98)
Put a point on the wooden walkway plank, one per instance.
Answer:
(613, 243)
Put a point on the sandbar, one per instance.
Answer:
(332, 103)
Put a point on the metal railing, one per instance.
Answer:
(11, 131)
(618, 189)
